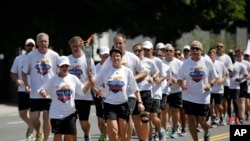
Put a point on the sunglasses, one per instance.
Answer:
(146, 49)
(219, 46)
(195, 48)
(30, 45)
(178, 54)
(186, 50)
(158, 55)
(138, 50)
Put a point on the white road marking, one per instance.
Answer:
(15, 122)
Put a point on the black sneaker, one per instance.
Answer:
(207, 137)
(87, 138)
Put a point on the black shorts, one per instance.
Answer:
(146, 99)
(23, 101)
(116, 111)
(131, 103)
(248, 95)
(196, 109)
(39, 104)
(163, 101)
(99, 106)
(216, 97)
(155, 106)
(243, 89)
(83, 109)
(234, 93)
(65, 125)
(226, 92)
(175, 100)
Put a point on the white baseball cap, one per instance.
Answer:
(160, 45)
(104, 50)
(186, 47)
(147, 45)
(29, 41)
(247, 52)
(63, 60)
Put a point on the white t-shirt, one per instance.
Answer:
(221, 71)
(164, 84)
(227, 62)
(40, 67)
(151, 68)
(78, 67)
(98, 67)
(247, 65)
(174, 67)
(115, 83)
(238, 71)
(197, 74)
(62, 92)
(157, 88)
(130, 61)
(17, 67)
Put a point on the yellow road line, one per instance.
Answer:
(218, 137)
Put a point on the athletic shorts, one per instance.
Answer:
(99, 106)
(83, 109)
(131, 103)
(65, 125)
(226, 92)
(146, 99)
(175, 100)
(216, 98)
(115, 112)
(234, 93)
(163, 101)
(243, 89)
(155, 106)
(248, 95)
(40, 104)
(23, 101)
(196, 109)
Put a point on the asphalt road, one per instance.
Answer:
(13, 128)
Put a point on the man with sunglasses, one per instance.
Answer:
(175, 95)
(222, 56)
(196, 78)
(23, 98)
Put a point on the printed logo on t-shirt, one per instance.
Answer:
(232, 73)
(64, 93)
(197, 74)
(76, 70)
(115, 84)
(43, 67)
